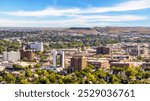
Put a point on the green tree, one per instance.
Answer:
(44, 80)
(67, 80)
(52, 78)
(28, 73)
(91, 78)
(9, 78)
(24, 81)
(38, 65)
(1, 78)
(114, 79)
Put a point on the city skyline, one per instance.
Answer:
(66, 13)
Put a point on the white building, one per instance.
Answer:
(37, 46)
(11, 56)
(55, 59)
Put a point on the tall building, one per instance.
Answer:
(136, 50)
(103, 50)
(77, 63)
(11, 56)
(27, 54)
(37, 46)
(59, 60)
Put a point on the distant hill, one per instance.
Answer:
(111, 30)
(85, 30)
(119, 30)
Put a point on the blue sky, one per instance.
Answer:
(74, 13)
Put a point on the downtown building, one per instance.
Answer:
(78, 62)
(28, 54)
(11, 56)
(58, 59)
(103, 50)
(37, 46)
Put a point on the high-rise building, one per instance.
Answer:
(61, 55)
(27, 54)
(103, 50)
(11, 56)
(77, 63)
(37, 46)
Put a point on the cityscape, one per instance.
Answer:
(74, 42)
(99, 55)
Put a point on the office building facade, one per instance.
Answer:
(11, 56)
(77, 63)
(29, 54)
(103, 50)
(37, 46)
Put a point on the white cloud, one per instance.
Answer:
(78, 21)
(77, 16)
(40, 23)
(129, 5)
(118, 18)
(46, 12)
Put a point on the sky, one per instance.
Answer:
(74, 13)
